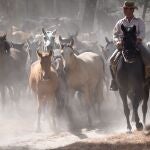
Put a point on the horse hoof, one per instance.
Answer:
(129, 131)
(139, 126)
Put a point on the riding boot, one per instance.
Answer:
(113, 85)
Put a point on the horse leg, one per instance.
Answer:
(144, 106)
(100, 97)
(88, 98)
(135, 104)
(53, 110)
(3, 97)
(131, 107)
(123, 95)
(69, 113)
(40, 105)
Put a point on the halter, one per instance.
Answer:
(129, 55)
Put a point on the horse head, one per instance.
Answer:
(109, 48)
(45, 62)
(4, 45)
(66, 41)
(68, 54)
(49, 39)
(129, 43)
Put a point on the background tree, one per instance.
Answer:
(89, 14)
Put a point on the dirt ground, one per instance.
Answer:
(135, 141)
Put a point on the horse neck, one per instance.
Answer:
(73, 65)
(56, 45)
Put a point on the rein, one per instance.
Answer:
(129, 53)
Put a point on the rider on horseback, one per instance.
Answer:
(128, 21)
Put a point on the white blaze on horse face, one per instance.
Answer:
(49, 39)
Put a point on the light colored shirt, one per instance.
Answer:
(140, 28)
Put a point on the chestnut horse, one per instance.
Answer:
(43, 80)
(130, 78)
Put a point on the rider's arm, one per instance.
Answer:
(117, 33)
(141, 31)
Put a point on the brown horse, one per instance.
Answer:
(43, 80)
(12, 69)
(84, 73)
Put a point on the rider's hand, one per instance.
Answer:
(119, 45)
(138, 41)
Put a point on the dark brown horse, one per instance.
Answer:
(130, 77)
(12, 69)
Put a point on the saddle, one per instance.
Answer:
(115, 61)
(116, 58)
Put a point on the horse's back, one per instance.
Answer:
(92, 61)
(89, 70)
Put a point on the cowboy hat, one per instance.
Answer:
(129, 4)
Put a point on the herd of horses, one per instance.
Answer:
(65, 67)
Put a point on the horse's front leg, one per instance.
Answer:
(135, 104)
(3, 97)
(144, 106)
(123, 95)
(40, 106)
(52, 110)
(87, 98)
(69, 113)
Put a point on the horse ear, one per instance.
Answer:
(54, 32)
(60, 38)
(71, 43)
(107, 40)
(39, 53)
(123, 28)
(44, 32)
